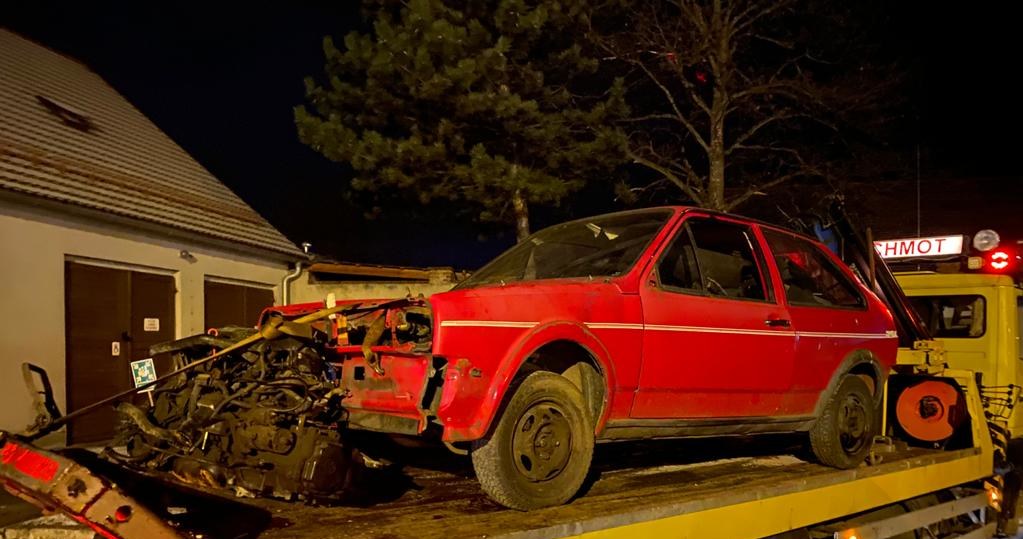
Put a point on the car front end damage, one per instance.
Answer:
(270, 417)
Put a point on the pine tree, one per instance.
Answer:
(473, 101)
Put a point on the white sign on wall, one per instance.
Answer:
(150, 324)
(919, 247)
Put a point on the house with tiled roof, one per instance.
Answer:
(112, 237)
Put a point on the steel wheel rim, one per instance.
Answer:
(542, 442)
(853, 424)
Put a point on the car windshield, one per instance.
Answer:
(603, 246)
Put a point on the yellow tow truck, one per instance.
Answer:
(973, 307)
(942, 470)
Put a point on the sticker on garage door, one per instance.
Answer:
(151, 324)
(143, 372)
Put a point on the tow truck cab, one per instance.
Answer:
(971, 299)
(977, 317)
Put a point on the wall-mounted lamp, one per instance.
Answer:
(187, 256)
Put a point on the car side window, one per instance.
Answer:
(677, 268)
(727, 259)
(810, 277)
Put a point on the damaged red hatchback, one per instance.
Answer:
(666, 322)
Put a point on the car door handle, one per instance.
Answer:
(778, 322)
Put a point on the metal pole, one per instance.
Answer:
(919, 210)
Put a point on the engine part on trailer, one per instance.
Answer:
(50, 420)
(266, 419)
(931, 410)
(261, 422)
(49, 480)
(257, 411)
(373, 334)
(42, 398)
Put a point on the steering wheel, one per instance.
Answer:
(715, 287)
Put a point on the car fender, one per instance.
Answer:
(851, 361)
(516, 357)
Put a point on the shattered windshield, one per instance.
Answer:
(603, 246)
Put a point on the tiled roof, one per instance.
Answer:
(68, 136)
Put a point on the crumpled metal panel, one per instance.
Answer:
(56, 483)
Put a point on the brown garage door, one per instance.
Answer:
(235, 305)
(112, 316)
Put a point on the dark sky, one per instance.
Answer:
(222, 81)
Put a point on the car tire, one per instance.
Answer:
(539, 452)
(842, 435)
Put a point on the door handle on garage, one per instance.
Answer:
(778, 322)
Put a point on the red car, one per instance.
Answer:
(655, 323)
(666, 322)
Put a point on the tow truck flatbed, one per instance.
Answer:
(667, 490)
(750, 496)
(660, 488)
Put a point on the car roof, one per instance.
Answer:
(683, 209)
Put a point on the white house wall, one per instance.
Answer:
(34, 247)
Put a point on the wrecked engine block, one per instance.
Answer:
(262, 421)
(263, 411)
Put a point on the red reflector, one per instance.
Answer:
(29, 462)
(123, 513)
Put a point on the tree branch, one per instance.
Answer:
(674, 106)
(646, 117)
(663, 171)
(757, 189)
(757, 127)
(785, 88)
(756, 12)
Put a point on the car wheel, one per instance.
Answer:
(539, 453)
(842, 435)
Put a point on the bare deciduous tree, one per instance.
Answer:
(732, 98)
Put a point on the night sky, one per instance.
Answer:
(222, 82)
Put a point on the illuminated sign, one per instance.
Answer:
(920, 247)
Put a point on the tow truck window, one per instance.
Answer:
(952, 316)
(811, 278)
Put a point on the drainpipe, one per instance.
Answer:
(289, 278)
(286, 283)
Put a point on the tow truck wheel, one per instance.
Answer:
(539, 453)
(842, 435)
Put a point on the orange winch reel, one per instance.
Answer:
(931, 410)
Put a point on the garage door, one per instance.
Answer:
(230, 304)
(112, 317)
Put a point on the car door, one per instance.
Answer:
(829, 313)
(716, 342)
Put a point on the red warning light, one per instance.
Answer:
(999, 260)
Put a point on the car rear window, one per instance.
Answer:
(810, 276)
